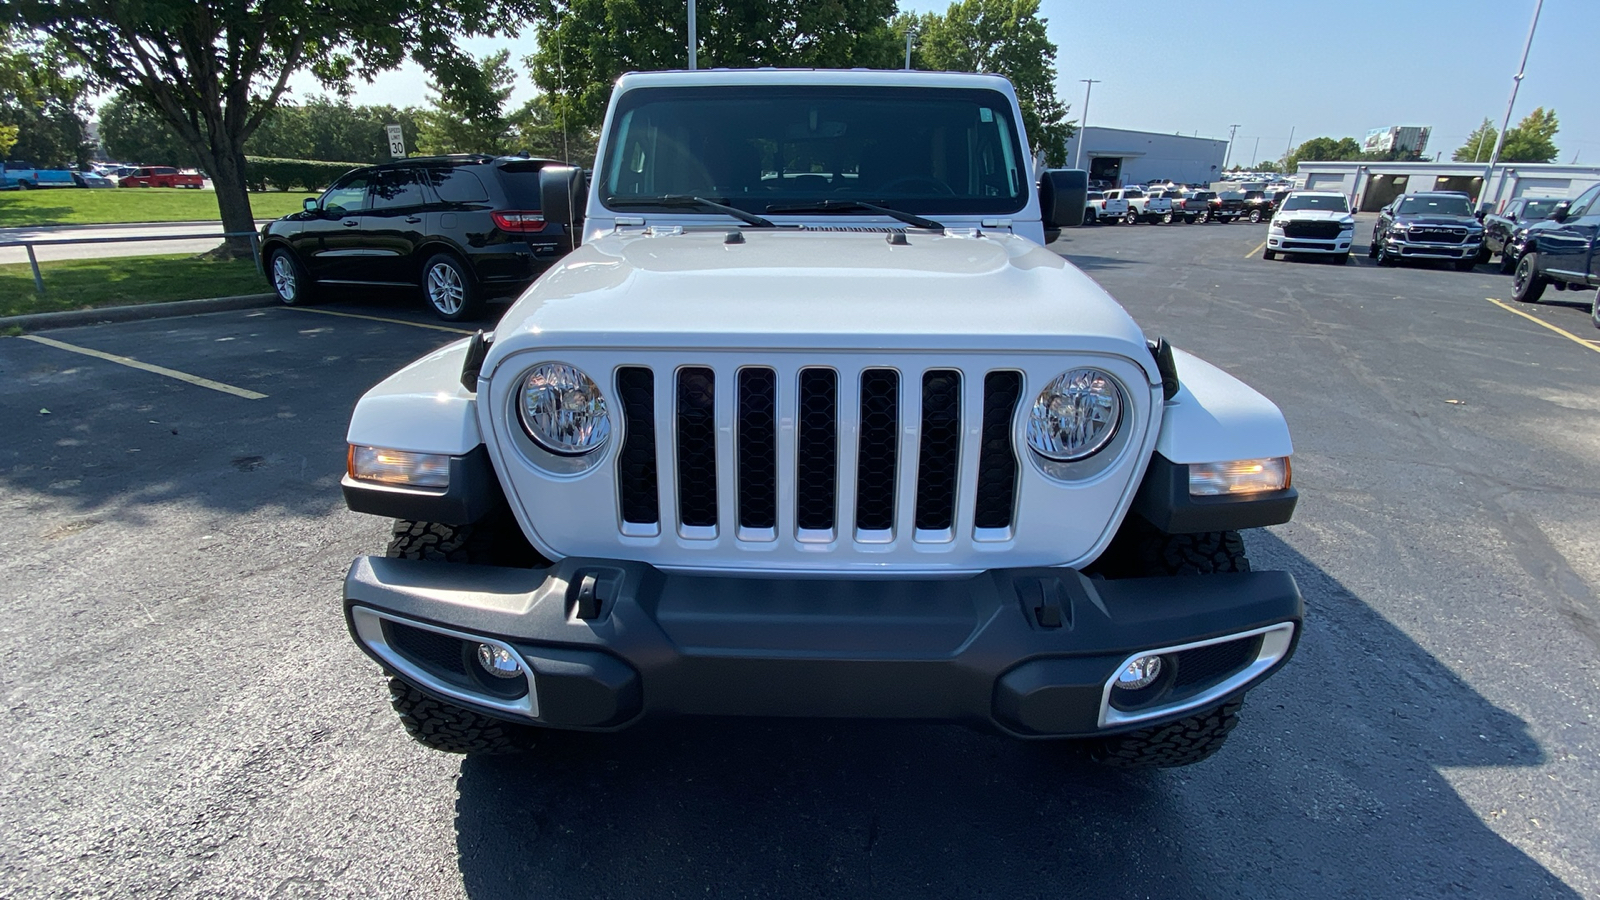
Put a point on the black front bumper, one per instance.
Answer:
(1031, 652)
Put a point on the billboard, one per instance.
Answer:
(1410, 140)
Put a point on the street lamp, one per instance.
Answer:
(911, 32)
(1077, 156)
(1499, 141)
(692, 40)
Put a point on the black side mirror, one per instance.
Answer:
(1480, 214)
(309, 204)
(1561, 210)
(1062, 194)
(563, 192)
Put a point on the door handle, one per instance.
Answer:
(412, 220)
(350, 223)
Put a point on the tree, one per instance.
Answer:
(1479, 144)
(1531, 139)
(42, 106)
(1006, 37)
(537, 128)
(215, 69)
(131, 132)
(1324, 149)
(469, 116)
(585, 44)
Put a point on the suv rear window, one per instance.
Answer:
(457, 186)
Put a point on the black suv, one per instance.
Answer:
(1437, 225)
(461, 228)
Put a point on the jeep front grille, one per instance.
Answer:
(885, 466)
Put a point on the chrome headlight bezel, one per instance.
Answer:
(1100, 389)
(562, 409)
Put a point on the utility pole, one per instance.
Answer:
(1083, 124)
(1289, 150)
(692, 39)
(1516, 82)
(1232, 130)
(1255, 153)
(910, 33)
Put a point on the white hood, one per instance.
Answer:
(811, 290)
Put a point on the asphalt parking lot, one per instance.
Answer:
(186, 716)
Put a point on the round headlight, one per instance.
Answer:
(563, 409)
(1075, 416)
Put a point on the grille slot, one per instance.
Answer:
(1204, 665)
(997, 459)
(817, 451)
(1322, 230)
(697, 449)
(938, 459)
(1438, 235)
(758, 451)
(636, 463)
(878, 452)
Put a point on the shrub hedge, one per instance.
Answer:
(264, 172)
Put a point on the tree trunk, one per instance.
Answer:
(233, 201)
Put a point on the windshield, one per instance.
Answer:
(757, 147)
(1435, 206)
(1334, 204)
(1538, 209)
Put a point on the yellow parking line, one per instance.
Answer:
(1259, 247)
(146, 367)
(1538, 321)
(329, 312)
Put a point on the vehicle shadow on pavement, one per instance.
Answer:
(1091, 263)
(1331, 786)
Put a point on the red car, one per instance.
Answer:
(161, 176)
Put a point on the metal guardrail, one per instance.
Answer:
(38, 281)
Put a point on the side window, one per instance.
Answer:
(457, 186)
(1584, 205)
(396, 188)
(348, 195)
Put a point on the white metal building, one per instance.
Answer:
(1119, 157)
(1372, 185)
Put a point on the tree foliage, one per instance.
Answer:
(1324, 149)
(215, 69)
(42, 106)
(585, 44)
(1532, 139)
(470, 115)
(1479, 144)
(1006, 37)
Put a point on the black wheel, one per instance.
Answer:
(1483, 255)
(1527, 285)
(1255, 216)
(1465, 265)
(1089, 217)
(1181, 743)
(1373, 248)
(439, 724)
(1203, 218)
(444, 726)
(289, 279)
(1594, 310)
(1508, 261)
(449, 290)
(1269, 254)
(1342, 258)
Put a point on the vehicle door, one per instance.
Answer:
(1564, 249)
(1497, 228)
(391, 229)
(329, 242)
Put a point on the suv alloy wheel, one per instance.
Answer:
(449, 290)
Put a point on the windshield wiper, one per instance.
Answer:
(685, 201)
(823, 206)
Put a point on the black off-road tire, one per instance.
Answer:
(1142, 551)
(495, 541)
(444, 726)
(1527, 285)
(1181, 743)
(1269, 254)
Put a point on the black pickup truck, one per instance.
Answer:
(1259, 205)
(1503, 229)
(1227, 206)
(1560, 252)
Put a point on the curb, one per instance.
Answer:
(74, 317)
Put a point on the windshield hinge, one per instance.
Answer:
(629, 221)
(997, 223)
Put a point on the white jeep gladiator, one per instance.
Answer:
(812, 425)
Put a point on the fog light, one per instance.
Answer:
(499, 661)
(1141, 672)
(399, 467)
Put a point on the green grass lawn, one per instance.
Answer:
(117, 281)
(79, 206)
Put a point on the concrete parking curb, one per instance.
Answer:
(74, 317)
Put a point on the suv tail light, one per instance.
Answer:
(518, 220)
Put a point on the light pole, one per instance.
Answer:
(910, 33)
(692, 39)
(1516, 82)
(1077, 156)
(1232, 130)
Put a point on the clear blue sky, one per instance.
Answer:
(1319, 68)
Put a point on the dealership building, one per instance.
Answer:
(1117, 156)
(1372, 185)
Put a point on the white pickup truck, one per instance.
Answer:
(812, 425)
(1142, 206)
